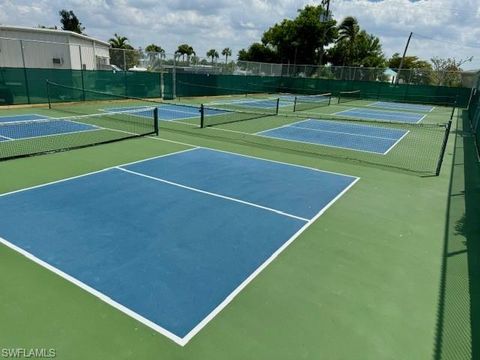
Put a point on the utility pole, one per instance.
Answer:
(324, 18)
(403, 58)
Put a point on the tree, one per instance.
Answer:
(185, 49)
(226, 52)
(414, 70)
(212, 53)
(122, 53)
(364, 52)
(70, 21)
(348, 31)
(447, 71)
(152, 48)
(119, 42)
(368, 51)
(303, 38)
(155, 54)
(259, 52)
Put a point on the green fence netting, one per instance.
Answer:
(27, 86)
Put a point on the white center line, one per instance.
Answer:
(213, 194)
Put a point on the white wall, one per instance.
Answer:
(46, 46)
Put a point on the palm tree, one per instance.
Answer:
(348, 31)
(185, 49)
(213, 54)
(124, 58)
(226, 52)
(119, 42)
(153, 48)
(190, 52)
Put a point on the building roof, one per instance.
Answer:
(52, 31)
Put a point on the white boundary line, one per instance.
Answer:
(6, 137)
(248, 156)
(253, 275)
(180, 341)
(193, 116)
(213, 194)
(179, 120)
(321, 144)
(377, 104)
(396, 142)
(330, 131)
(342, 113)
(96, 128)
(13, 116)
(95, 172)
(192, 147)
(234, 102)
(318, 144)
(95, 292)
(341, 132)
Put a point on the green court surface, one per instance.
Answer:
(368, 280)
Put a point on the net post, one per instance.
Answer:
(444, 146)
(202, 116)
(155, 120)
(295, 104)
(453, 109)
(455, 103)
(278, 106)
(48, 94)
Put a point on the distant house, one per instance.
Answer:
(51, 49)
(390, 74)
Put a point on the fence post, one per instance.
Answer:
(155, 120)
(162, 80)
(174, 77)
(454, 107)
(47, 83)
(202, 116)
(125, 71)
(444, 146)
(27, 90)
(81, 71)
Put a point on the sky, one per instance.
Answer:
(441, 28)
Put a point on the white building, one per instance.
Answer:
(51, 49)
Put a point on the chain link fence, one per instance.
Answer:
(26, 64)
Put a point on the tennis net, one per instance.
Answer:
(219, 113)
(44, 134)
(346, 96)
(309, 102)
(418, 150)
(66, 99)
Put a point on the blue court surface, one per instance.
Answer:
(374, 139)
(249, 103)
(32, 125)
(169, 240)
(393, 116)
(25, 117)
(401, 106)
(166, 112)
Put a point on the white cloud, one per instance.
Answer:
(451, 26)
(206, 24)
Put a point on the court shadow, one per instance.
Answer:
(458, 314)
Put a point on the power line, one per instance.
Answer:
(446, 41)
